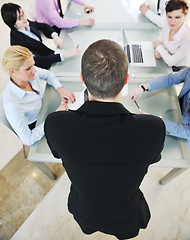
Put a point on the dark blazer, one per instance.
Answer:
(106, 151)
(44, 56)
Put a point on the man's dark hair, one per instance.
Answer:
(176, 5)
(9, 13)
(104, 68)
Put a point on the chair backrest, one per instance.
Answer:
(10, 142)
(3, 118)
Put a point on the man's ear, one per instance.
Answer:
(127, 79)
(81, 77)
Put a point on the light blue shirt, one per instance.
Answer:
(22, 107)
(30, 34)
(181, 130)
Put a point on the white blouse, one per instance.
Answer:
(22, 107)
(176, 52)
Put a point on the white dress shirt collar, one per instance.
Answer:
(180, 32)
(20, 93)
(29, 33)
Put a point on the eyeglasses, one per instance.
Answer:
(21, 16)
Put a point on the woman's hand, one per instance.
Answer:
(71, 52)
(58, 41)
(144, 8)
(157, 43)
(87, 8)
(136, 93)
(62, 107)
(66, 95)
(157, 54)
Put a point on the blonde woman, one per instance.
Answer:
(22, 97)
(173, 44)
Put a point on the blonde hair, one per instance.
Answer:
(14, 57)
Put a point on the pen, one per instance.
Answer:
(137, 104)
(77, 46)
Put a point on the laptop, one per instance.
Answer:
(140, 53)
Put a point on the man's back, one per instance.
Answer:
(106, 151)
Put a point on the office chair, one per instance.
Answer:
(42, 166)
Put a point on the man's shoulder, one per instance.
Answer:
(147, 118)
(61, 115)
(143, 118)
(150, 124)
(60, 121)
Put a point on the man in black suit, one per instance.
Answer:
(105, 149)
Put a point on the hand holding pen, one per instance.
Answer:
(87, 8)
(136, 93)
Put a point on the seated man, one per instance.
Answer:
(50, 12)
(181, 130)
(158, 17)
(105, 149)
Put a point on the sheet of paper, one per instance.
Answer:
(79, 101)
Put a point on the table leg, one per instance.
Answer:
(171, 175)
(24, 151)
(45, 169)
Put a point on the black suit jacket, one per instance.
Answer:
(44, 56)
(106, 151)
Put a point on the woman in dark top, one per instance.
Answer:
(26, 33)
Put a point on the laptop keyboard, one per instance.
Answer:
(128, 53)
(137, 53)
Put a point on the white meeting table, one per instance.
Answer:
(160, 102)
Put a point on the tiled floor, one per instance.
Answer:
(22, 187)
(169, 205)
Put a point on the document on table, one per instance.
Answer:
(80, 97)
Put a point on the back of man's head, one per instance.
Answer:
(104, 69)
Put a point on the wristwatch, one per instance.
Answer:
(142, 86)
